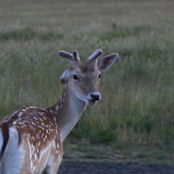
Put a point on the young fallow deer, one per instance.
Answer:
(31, 138)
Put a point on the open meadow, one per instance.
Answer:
(135, 119)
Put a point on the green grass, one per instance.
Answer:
(28, 34)
(138, 92)
(119, 153)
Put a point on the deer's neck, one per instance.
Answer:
(67, 112)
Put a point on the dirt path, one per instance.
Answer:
(112, 168)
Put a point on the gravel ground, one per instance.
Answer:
(112, 168)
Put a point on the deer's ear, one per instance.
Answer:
(106, 62)
(65, 76)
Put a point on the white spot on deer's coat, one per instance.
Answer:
(40, 119)
(57, 107)
(32, 107)
(51, 111)
(41, 113)
(14, 123)
(33, 123)
(20, 114)
(38, 143)
(44, 118)
(35, 118)
(54, 119)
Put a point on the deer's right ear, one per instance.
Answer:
(106, 62)
(65, 76)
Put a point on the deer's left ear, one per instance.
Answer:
(65, 76)
(106, 62)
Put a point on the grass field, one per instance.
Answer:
(138, 92)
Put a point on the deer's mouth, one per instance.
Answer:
(93, 97)
(91, 102)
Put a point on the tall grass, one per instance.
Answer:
(138, 92)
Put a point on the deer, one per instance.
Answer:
(31, 138)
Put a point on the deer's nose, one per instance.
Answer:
(95, 96)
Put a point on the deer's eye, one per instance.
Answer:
(99, 75)
(76, 77)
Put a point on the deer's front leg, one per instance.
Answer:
(51, 169)
(53, 164)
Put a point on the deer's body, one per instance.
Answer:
(33, 142)
(31, 139)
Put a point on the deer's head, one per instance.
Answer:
(83, 78)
